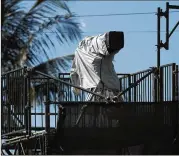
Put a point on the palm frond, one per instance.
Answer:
(8, 8)
(56, 65)
(29, 30)
(69, 31)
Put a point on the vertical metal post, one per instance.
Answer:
(161, 89)
(129, 84)
(173, 82)
(47, 119)
(29, 103)
(135, 92)
(47, 109)
(154, 87)
(158, 37)
(177, 99)
(158, 51)
(25, 99)
(177, 84)
(167, 26)
(8, 103)
(175, 105)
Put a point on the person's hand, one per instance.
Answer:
(76, 91)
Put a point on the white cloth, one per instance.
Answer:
(93, 63)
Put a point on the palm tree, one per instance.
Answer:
(26, 28)
(26, 31)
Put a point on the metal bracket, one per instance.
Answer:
(164, 14)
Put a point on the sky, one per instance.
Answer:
(139, 51)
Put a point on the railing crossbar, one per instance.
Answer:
(67, 83)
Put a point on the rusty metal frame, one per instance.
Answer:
(18, 143)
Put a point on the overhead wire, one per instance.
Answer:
(144, 31)
(118, 14)
(122, 14)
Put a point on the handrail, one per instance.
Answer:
(9, 72)
(120, 94)
(67, 83)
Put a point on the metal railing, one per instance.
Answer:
(146, 90)
(38, 96)
(12, 101)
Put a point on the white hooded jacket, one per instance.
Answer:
(93, 64)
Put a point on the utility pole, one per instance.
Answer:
(159, 87)
(161, 45)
